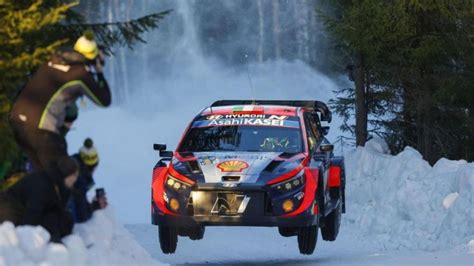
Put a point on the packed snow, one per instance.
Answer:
(470, 246)
(264, 246)
(399, 210)
(404, 203)
(100, 241)
(450, 199)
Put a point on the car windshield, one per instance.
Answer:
(203, 137)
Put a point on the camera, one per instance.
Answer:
(99, 193)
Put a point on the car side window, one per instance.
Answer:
(314, 122)
(310, 134)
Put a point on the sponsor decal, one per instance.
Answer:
(261, 157)
(229, 185)
(232, 166)
(247, 120)
(300, 195)
(214, 117)
(247, 108)
(230, 204)
(208, 160)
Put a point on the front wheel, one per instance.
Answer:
(332, 222)
(307, 238)
(287, 231)
(168, 239)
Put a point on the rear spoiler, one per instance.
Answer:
(312, 105)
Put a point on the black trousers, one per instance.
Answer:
(42, 147)
(10, 209)
(58, 224)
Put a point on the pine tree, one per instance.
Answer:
(417, 58)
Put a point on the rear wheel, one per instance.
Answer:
(197, 233)
(332, 222)
(307, 238)
(168, 239)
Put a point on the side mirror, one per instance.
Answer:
(325, 130)
(159, 147)
(326, 147)
(166, 154)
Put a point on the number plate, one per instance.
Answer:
(219, 203)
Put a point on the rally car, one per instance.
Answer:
(251, 163)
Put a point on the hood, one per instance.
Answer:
(241, 167)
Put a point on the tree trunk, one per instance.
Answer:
(88, 13)
(406, 124)
(123, 64)
(307, 11)
(314, 31)
(361, 111)
(301, 16)
(276, 28)
(428, 125)
(112, 59)
(261, 36)
(144, 51)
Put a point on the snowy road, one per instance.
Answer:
(252, 245)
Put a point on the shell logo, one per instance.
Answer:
(232, 166)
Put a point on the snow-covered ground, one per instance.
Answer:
(100, 241)
(400, 210)
(264, 246)
(402, 202)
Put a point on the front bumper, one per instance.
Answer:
(306, 218)
(244, 205)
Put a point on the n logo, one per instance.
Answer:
(230, 204)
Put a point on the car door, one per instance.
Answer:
(314, 138)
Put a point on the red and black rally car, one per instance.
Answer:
(251, 163)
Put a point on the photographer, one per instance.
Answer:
(38, 114)
(81, 209)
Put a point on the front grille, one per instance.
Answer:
(232, 178)
(226, 203)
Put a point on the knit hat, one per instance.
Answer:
(87, 46)
(88, 153)
(67, 166)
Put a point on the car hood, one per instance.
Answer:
(241, 167)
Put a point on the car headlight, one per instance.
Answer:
(176, 184)
(290, 184)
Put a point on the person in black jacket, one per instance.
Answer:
(38, 199)
(80, 207)
(38, 114)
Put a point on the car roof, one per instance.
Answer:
(251, 109)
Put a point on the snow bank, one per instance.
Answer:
(100, 241)
(403, 202)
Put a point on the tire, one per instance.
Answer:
(197, 233)
(287, 231)
(307, 238)
(332, 222)
(168, 239)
